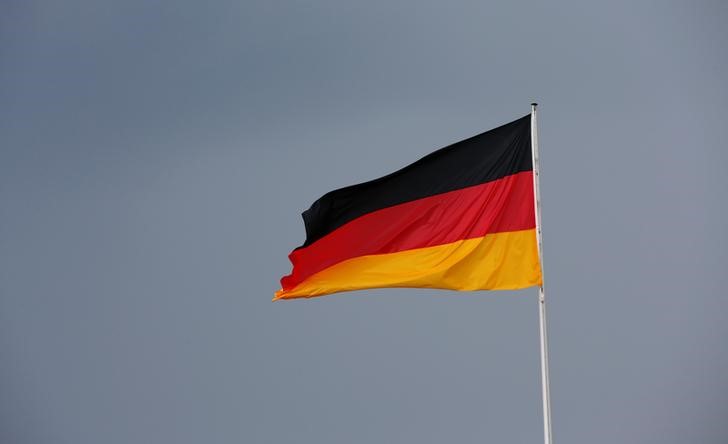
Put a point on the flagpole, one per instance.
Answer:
(545, 392)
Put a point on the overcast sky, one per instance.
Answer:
(155, 158)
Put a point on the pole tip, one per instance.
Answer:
(534, 104)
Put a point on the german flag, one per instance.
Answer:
(461, 218)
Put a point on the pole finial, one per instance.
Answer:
(534, 104)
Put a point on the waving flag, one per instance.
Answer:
(461, 218)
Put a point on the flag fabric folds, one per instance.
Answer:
(461, 218)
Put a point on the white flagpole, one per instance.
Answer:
(546, 396)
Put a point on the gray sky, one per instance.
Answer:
(155, 158)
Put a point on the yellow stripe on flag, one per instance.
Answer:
(499, 261)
